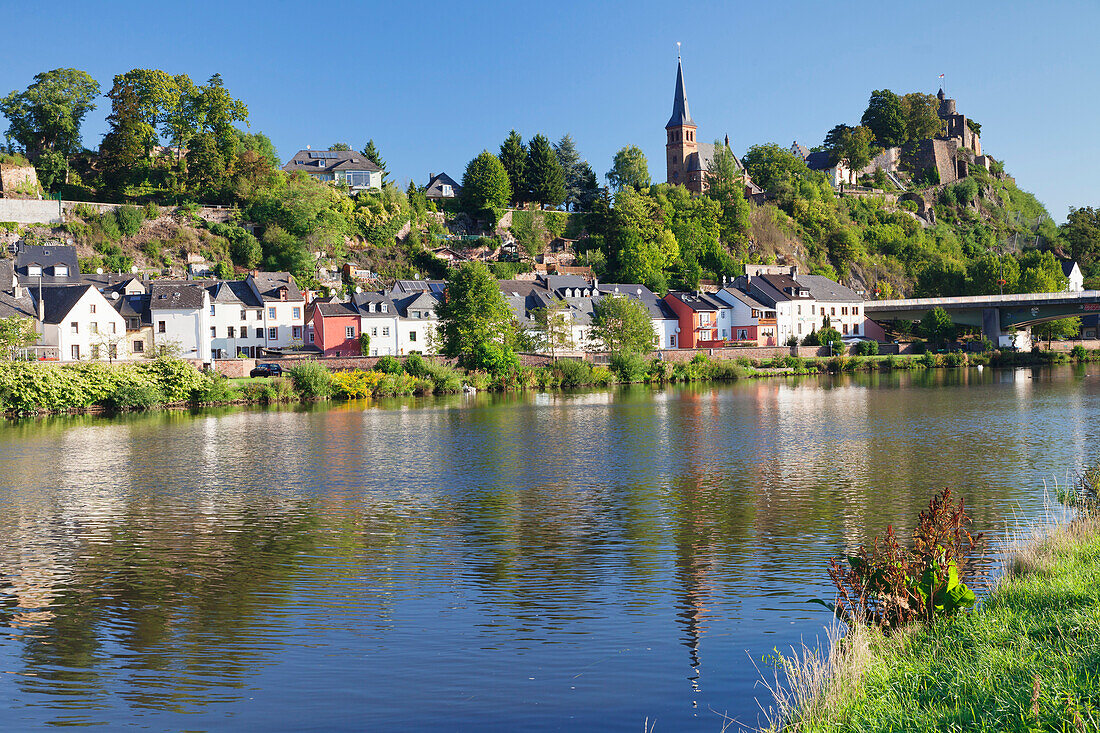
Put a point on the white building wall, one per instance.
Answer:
(668, 332)
(187, 329)
(93, 329)
(414, 334)
(382, 329)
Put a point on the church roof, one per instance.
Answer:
(680, 113)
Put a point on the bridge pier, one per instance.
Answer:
(991, 324)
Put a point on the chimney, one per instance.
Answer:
(596, 285)
(41, 304)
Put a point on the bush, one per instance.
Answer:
(919, 346)
(388, 365)
(134, 396)
(890, 586)
(129, 219)
(867, 348)
(572, 372)
(1078, 353)
(954, 359)
(659, 371)
(628, 366)
(215, 389)
(311, 380)
(109, 225)
(445, 379)
(151, 211)
(415, 366)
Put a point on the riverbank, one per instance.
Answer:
(1026, 659)
(36, 388)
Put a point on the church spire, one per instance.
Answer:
(680, 114)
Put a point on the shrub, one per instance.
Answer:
(134, 396)
(175, 378)
(214, 389)
(415, 366)
(628, 366)
(1078, 353)
(109, 226)
(659, 371)
(602, 376)
(151, 211)
(129, 219)
(919, 346)
(727, 370)
(954, 359)
(388, 365)
(867, 348)
(890, 585)
(445, 379)
(573, 372)
(86, 212)
(1083, 496)
(311, 380)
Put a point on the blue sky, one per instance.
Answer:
(435, 83)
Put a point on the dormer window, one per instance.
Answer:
(447, 191)
(370, 307)
(384, 308)
(61, 270)
(34, 270)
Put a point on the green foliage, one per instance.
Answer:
(129, 220)
(47, 115)
(621, 324)
(513, 156)
(15, 333)
(867, 348)
(936, 326)
(475, 322)
(311, 380)
(132, 396)
(885, 118)
(544, 175)
(629, 169)
(573, 372)
(890, 585)
(485, 187)
(628, 366)
(388, 364)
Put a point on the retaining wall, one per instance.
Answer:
(44, 211)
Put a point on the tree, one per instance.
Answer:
(513, 155)
(553, 328)
(726, 185)
(922, 119)
(852, 145)
(1061, 329)
(205, 165)
(370, 152)
(485, 187)
(1082, 233)
(770, 165)
(179, 119)
(885, 117)
(588, 187)
(216, 111)
(16, 333)
(123, 154)
(845, 247)
(936, 326)
(629, 169)
(47, 115)
(621, 324)
(1040, 273)
(154, 94)
(574, 170)
(475, 322)
(545, 175)
(341, 146)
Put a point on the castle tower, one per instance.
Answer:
(681, 143)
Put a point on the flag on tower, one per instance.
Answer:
(941, 76)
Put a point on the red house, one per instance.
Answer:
(336, 328)
(698, 317)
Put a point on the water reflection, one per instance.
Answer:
(540, 561)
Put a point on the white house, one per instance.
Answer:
(775, 286)
(1075, 279)
(283, 309)
(378, 316)
(78, 323)
(417, 323)
(751, 318)
(180, 314)
(236, 320)
(842, 305)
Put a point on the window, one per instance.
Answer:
(259, 333)
(211, 309)
(374, 331)
(259, 315)
(812, 309)
(76, 352)
(139, 347)
(213, 332)
(349, 332)
(95, 352)
(91, 308)
(311, 337)
(384, 308)
(845, 327)
(272, 333)
(74, 327)
(271, 312)
(357, 178)
(832, 311)
(385, 331)
(133, 324)
(160, 326)
(231, 331)
(93, 327)
(672, 341)
(34, 270)
(743, 334)
(412, 335)
(855, 311)
(114, 327)
(800, 327)
(799, 310)
(370, 307)
(295, 312)
(855, 329)
(296, 332)
(244, 314)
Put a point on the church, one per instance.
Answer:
(686, 159)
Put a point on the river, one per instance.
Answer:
(577, 561)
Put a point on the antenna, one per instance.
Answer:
(677, 49)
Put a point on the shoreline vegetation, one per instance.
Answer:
(1026, 659)
(33, 388)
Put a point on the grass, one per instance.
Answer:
(1027, 659)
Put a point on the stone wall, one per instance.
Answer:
(938, 154)
(19, 181)
(29, 211)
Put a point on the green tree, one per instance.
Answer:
(205, 165)
(123, 154)
(1082, 233)
(16, 333)
(51, 168)
(216, 111)
(1040, 273)
(621, 324)
(1059, 330)
(726, 185)
(885, 117)
(513, 155)
(485, 187)
(47, 115)
(544, 173)
(588, 187)
(554, 332)
(844, 247)
(574, 170)
(475, 323)
(629, 169)
(370, 152)
(260, 144)
(852, 145)
(179, 119)
(154, 93)
(936, 326)
(921, 112)
(771, 165)
(340, 146)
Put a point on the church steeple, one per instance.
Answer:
(680, 114)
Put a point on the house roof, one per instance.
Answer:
(268, 284)
(176, 296)
(786, 286)
(329, 161)
(698, 301)
(558, 283)
(745, 298)
(1067, 267)
(23, 306)
(800, 150)
(657, 307)
(135, 306)
(822, 160)
(434, 189)
(680, 113)
(234, 291)
(7, 274)
(47, 257)
(419, 286)
(59, 300)
(417, 301)
(824, 289)
(364, 300)
(337, 308)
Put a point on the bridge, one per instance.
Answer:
(996, 315)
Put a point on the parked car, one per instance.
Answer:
(267, 370)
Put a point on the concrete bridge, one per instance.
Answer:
(996, 315)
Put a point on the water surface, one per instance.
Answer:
(540, 562)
